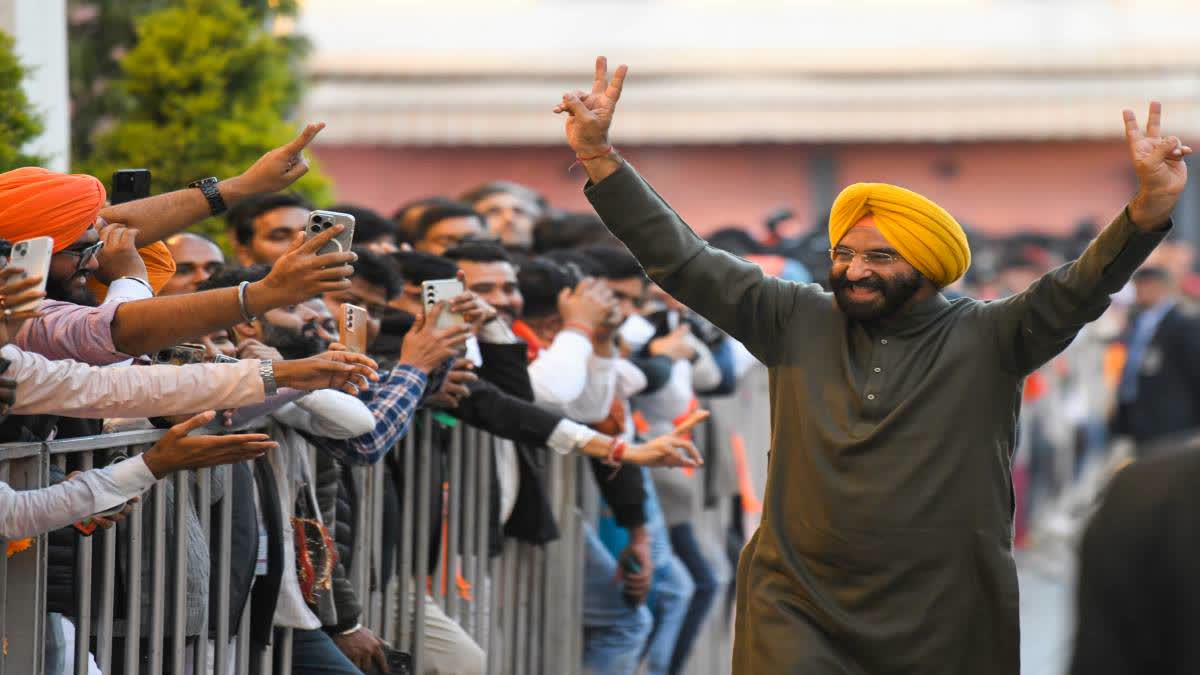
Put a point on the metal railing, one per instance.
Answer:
(523, 607)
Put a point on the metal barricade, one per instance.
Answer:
(523, 607)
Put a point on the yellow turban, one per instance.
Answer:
(924, 233)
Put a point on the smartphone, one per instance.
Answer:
(319, 221)
(630, 565)
(182, 355)
(399, 663)
(221, 358)
(33, 256)
(439, 290)
(352, 328)
(129, 184)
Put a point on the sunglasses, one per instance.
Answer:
(85, 254)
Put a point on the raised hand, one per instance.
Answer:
(1158, 163)
(280, 167)
(590, 114)
(119, 257)
(455, 387)
(301, 274)
(346, 371)
(588, 305)
(177, 451)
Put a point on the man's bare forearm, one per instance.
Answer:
(158, 217)
(146, 326)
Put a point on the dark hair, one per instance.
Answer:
(233, 276)
(368, 225)
(241, 216)
(576, 261)
(377, 270)
(569, 230)
(418, 267)
(735, 240)
(401, 214)
(541, 281)
(481, 192)
(479, 252)
(615, 263)
(436, 214)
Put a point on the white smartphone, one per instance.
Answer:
(353, 328)
(439, 290)
(319, 221)
(32, 256)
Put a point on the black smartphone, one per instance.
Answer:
(129, 184)
(399, 663)
(630, 565)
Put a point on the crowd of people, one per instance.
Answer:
(558, 344)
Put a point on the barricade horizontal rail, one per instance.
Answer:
(135, 584)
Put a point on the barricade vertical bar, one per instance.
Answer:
(358, 565)
(483, 454)
(556, 630)
(24, 606)
(133, 602)
(83, 588)
(376, 575)
(158, 577)
(404, 600)
(468, 482)
(285, 651)
(108, 579)
(204, 514)
(181, 482)
(508, 606)
(454, 511)
(536, 621)
(575, 477)
(4, 466)
(242, 667)
(521, 620)
(224, 562)
(421, 564)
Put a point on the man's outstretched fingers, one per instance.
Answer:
(691, 421)
(305, 137)
(617, 84)
(191, 424)
(1132, 132)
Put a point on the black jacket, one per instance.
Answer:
(1168, 387)
(1138, 594)
(338, 501)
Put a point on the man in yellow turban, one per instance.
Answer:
(886, 539)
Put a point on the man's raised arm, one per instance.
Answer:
(1038, 323)
(732, 293)
(156, 218)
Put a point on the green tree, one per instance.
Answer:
(19, 123)
(207, 89)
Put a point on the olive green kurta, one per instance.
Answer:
(886, 539)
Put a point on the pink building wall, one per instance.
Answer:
(994, 187)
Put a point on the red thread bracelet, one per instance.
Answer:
(606, 153)
(581, 327)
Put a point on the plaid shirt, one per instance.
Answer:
(393, 401)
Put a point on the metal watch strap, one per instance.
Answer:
(208, 186)
(266, 370)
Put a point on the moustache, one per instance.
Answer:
(841, 283)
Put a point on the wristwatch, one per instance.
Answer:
(216, 203)
(266, 370)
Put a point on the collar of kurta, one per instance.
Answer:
(918, 317)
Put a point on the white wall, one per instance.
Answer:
(40, 29)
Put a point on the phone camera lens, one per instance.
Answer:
(21, 249)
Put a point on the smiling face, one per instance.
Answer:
(878, 290)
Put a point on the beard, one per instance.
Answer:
(71, 290)
(891, 294)
(291, 343)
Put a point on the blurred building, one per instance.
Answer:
(1006, 111)
(39, 29)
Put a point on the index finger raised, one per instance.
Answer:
(311, 245)
(1132, 132)
(600, 83)
(301, 141)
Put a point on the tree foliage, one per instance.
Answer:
(19, 122)
(204, 91)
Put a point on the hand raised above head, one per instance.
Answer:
(1158, 162)
(590, 114)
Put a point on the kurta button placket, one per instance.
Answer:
(883, 341)
(870, 397)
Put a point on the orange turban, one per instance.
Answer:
(928, 237)
(35, 202)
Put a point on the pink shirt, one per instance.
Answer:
(69, 331)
